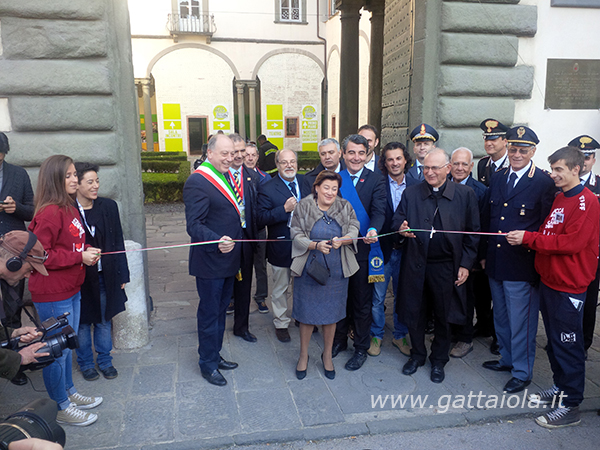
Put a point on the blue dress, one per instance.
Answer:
(315, 304)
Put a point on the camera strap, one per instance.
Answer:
(16, 299)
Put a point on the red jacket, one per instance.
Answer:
(61, 233)
(567, 242)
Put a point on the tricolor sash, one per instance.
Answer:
(217, 179)
(376, 270)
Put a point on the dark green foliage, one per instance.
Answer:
(308, 160)
(164, 175)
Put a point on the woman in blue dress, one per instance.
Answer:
(318, 222)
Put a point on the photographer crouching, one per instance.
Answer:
(20, 254)
(12, 245)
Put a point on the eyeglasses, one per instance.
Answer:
(460, 164)
(521, 151)
(434, 168)
(288, 163)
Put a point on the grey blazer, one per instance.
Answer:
(306, 215)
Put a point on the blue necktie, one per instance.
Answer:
(292, 187)
(511, 183)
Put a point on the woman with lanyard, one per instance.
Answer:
(103, 292)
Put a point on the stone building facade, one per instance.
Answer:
(66, 87)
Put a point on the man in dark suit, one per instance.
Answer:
(435, 265)
(394, 162)
(266, 155)
(520, 198)
(369, 132)
(277, 199)
(494, 135)
(368, 196)
(330, 154)
(16, 209)
(461, 165)
(243, 182)
(260, 253)
(588, 145)
(424, 139)
(212, 213)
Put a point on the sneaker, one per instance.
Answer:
(545, 397)
(230, 308)
(109, 373)
(375, 348)
(563, 416)
(83, 402)
(74, 416)
(90, 374)
(402, 345)
(461, 349)
(262, 308)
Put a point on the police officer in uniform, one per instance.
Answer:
(588, 145)
(424, 139)
(520, 199)
(494, 136)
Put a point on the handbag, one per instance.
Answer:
(317, 271)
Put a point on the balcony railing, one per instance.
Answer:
(204, 24)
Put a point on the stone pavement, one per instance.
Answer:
(160, 401)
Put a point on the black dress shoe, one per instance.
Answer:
(337, 348)
(411, 366)
(357, 360)
(495, 348)
(496, 366)
(227, 365)
(329, 374)
(283, 335)
(214, 377)
(515, 385)
(301, 374)
(247, 336)
(437, 374)
(20, 379)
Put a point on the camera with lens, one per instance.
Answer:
(36, 420)
(55, 344)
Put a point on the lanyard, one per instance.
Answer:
(91, 229)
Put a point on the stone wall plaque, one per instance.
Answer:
(573, 84)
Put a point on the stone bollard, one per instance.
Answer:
(130, 328)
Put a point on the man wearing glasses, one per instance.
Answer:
(520, 199)
(277, 200)
(435, 265)
(588, 145)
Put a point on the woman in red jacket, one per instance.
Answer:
(58, 227)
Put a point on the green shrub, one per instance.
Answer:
(308, 160)
(161, 166)
(164, 156)
(184, 171)
(162, 187)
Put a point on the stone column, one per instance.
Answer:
(130, 328)
(239, 85)
(349, 66)
(146, 94)
(376, 63)
(252, 102)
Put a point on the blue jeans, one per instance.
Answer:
(58, 376)
(102, 338)
(392, 270)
